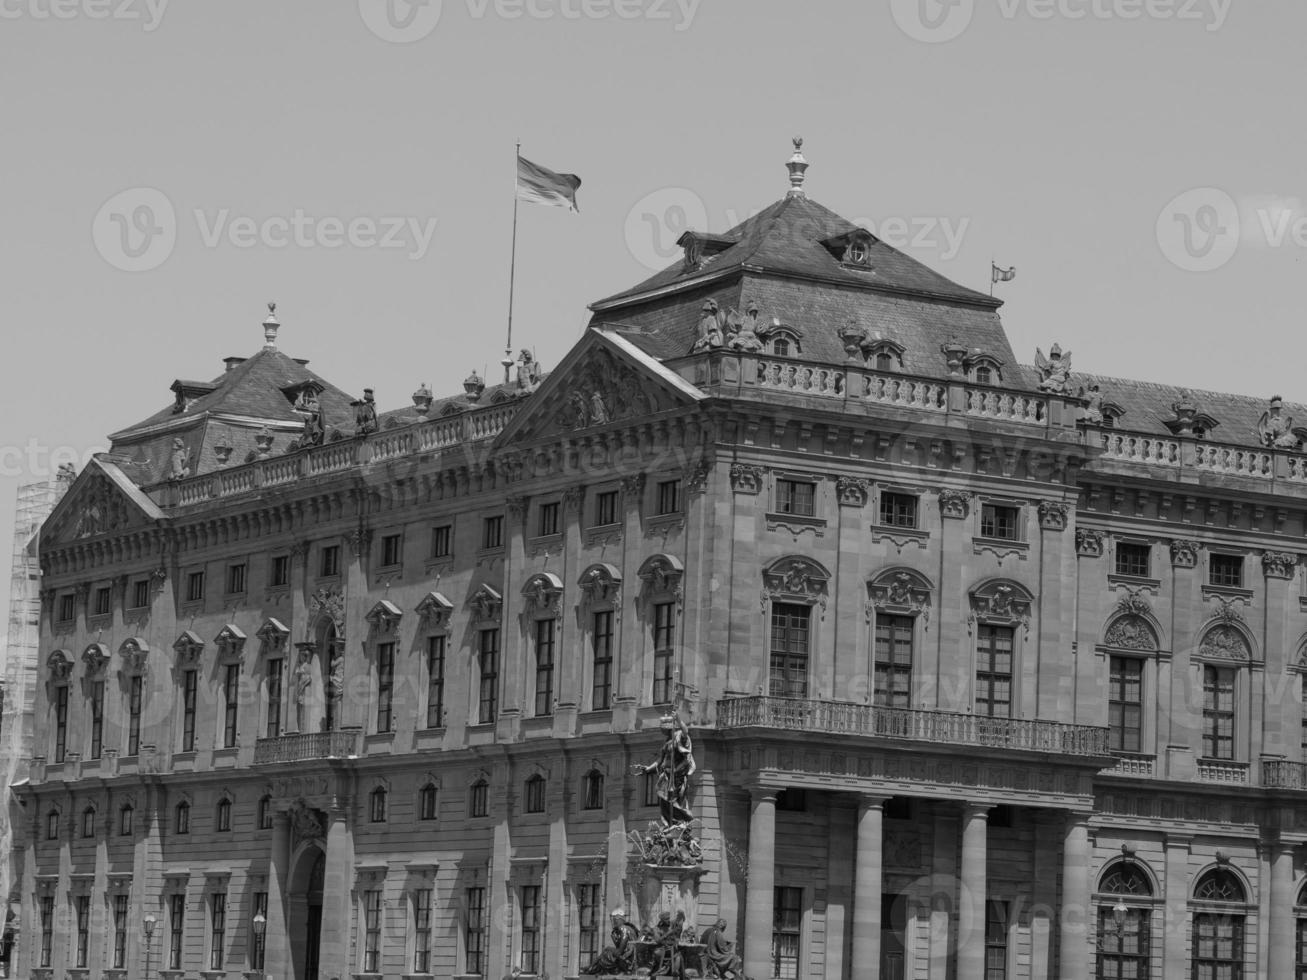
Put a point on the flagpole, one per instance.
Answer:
(992, 267)
(512, 268)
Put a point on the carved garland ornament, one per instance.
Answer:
(1184, 554)
(188, 647)
(60, 665)
(230, 641)
(329, 602)
(1225, 642)
(662, 576)
(798, 579)
(435, 611)
(600, 584)
(851, 491)
(1053, 516)
(902, 592)
(1001, 603)
(1279, 564)
(543, 594)
(746, 478)
(486, 605)
(96, 657)
(1089, 543)
(954, 503)
(696, 476)
(272, 636)
(384, 617)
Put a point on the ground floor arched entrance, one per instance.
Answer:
(304, 911)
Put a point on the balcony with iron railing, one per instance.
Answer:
(913, 724)
(307, 747)
(1284, 774)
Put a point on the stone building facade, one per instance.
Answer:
(991, 670)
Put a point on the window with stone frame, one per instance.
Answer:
(231, 699)
(126, 814)
(392, 554)
(1133, 559)
(135, 692)
(372, 931)
(797, 497)
(1219, 713)
(1000, 522)
(1225, 570)
(60, 722)
(46, 957)
(442, 540)
(994, 670)
(893, 653)
(88, 822)
(176, 930)
(667, 497)
(787, 928)
(385, 687)
(190, 689)
(664, 648)
(436, 681)
(140, 593)
(222, 820)
(601, 643)
(898, 509)
(1125, 704)
(67, 609)
(97, 719)
(273, 678)
(588, 916)
(377, 805)
(279, 571)
(428, 800)
(474, 931)
(182, 818)
(996, 940)
(790, 638)
(533, 795)
(195, 587)
(488, 663)
(422, 930)
(121, 904)
(1219, 926)
(265, 812)
(236, 579)
(592, 790)
(1124, 945)
(259, 943)
(531, 934)
(478, 799)
(548, 519)
(52, 825)
(605, 508)
(217, 929)
(329, 561)
(544, 667)
(103, 601)
(492, 532)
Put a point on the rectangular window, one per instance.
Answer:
(83, 910)
(66, 608)
(97, 719)
(994, 672)
(236, 579)
(1218, 712)
(231, 696)
(474, 938)
(195, 587)
(119, 960)
(1302, 950)
(441, 540)
(601, 691)
(650, 794)
(329, 561)
(999, 522)
(135, 689)
(996, 941)
(669, 497)
(489, 693)
(391, 553)
(176, 928)
(664, 644)
(894, 661)
(422, 930)
(530, 962)
(1226, 570)
(548, 519)
(47, 931)
(258, 953)
(544, 667)
(1133, 559)
(606, 507)
(492, 532)
(587, 913)
(787, 923)
(789, 650)
(479, 799)
(898, 510)
(274, 697)
(1218, 946)
(279, 572)
(1125, 704)
(190, 684)
(60, 722)
(1123, 947)
(796, 497)
(141, 594)
(435, 681)
(103, 602)
(372, 932)
(218, 929)
(385, 686)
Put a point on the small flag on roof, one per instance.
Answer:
(1002, 275)
(536, 185)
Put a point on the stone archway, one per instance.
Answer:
(304, 911)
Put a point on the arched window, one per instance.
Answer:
(1301, 946)
(1219, 924)
(478, 801)
(88, 822)
(125, 815)
(265, 812)
(222, 820)
(884, 361)
(534, 796)
(427, 802)
(593, 795)
(984, 375)
(781, 347)
(377, 805)
(52, 825)
(182, 818)
(1124, 936)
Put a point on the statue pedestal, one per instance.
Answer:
(656, 889)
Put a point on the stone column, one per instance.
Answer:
(276, 941)
(1281, 940)
(762, 879)
(868, 885)
(1074, 948)
(971, 897)
(337, 887)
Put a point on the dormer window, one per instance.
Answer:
(185, 392)
(983, 369)
(852, 248)
(883, 354)
(781, 347)
(700, 248)
(984, 376)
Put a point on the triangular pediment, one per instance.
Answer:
(604, 381)
(102, 500)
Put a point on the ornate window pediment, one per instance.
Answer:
(1225, 641)
(1001, 602)
(384, 617)
(331, 604)
(60, 665)
(796, 579)
(230, 640)
(435, 611)
(543, 595)
(601, 583)
(188, 647)
(900, 592)
(486, 605)
(136, 651)
(95, 656)
(661, 576)
(1124, 877)
(1130, 631)
(272, 635)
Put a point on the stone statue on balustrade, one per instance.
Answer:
(1054, 369)
(1276, 428)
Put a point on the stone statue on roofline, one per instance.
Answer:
(710, 335)
(1275, 428)
(528, 371)
(180, 467)
(365, 413)
(1054, 369)
(741, 330)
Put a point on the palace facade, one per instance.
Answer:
(991, 670)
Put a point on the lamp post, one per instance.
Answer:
(149, 922)
(260, 924)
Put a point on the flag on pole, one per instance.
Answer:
(536, 185)
(1002, 275)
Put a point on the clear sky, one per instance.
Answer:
(1053, 135)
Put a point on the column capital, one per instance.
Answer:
(759, 793)
(870, 801)
(973, 809)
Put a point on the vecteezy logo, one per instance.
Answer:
(1199, 230)
(658, 219)
(136, 230)
(933, 21)
(400, 21)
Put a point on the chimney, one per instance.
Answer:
(233, 363)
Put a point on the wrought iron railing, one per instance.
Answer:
(307, 747)
(845, 718)
(1284, 774)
